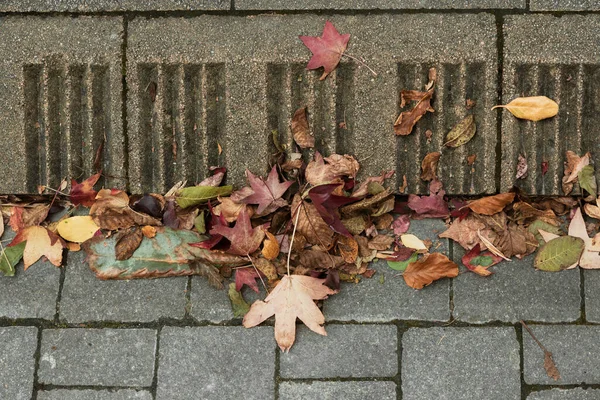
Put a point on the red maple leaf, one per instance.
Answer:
(246, 276)
(327, 50)
(432, 206)
(215, 220)
(83, 193)
(327, 205)
(244, 239)
(267, 194)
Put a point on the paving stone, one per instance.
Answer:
(488, 360)
(591, 282)
(86, 298)
(374, 4)
(516, 291)
(227, 80)
(216, 362)
(17, 362)
(60, 97)
(99, 357)
(565, 394)
(372, 300)
(337, 390)
(111, 5)
(74, 394)
(550, 56)
(348, 351)
(564, 5)
(42, 281)
(574, 350)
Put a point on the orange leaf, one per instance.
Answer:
(300, 130)
(429, 166)
(431, 268)
(40, 242)
(149, 231)
(270, 249)
(491, 204)
(292, 298)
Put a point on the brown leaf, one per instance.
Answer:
(111, 211)
(550, 366)
(465, 232)
(471, 159)
(23, 217)
(267, 268)
(210, 272)
(430, 268)
(348, 248)
(317, 259)
(383, 221)
(270, 249)
(533, 108)
(310, 223)
(300, 130)
(521, 167)
(462, 133)
(128, 243)
(243, 237)
(342, 165)
(407, 119)
(149, 231)
(292, 298)
(381, 242)
(429, 166)
(574, 165)
(491, 204)
(230, 209)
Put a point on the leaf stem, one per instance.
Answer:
(293, 235)
(360, 62)
(533, 336)
(258, 272)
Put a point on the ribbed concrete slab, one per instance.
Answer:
(111, 5)
(564, 5)
(374, 4)
(197, 83)
(555, 57)
(60, 98)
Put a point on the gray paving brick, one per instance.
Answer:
(17, 362)
(216, 362)
(550, 56)
(591, 283)
(460, 363)
(348, 351)
(230, 81)
(60, 96)
(373, 301)
(565, 394)
(99, 357)
(86, 298)
(574, 350)
(374, 4)
(516, 291)
(337, 390)
(111, 5)
(74, 394)
(564, 5)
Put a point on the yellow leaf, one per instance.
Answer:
(77, 229)
(413, 242)
(533, 108)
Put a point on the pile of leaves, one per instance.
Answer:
(309, 224)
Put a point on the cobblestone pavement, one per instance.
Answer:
(75, 71)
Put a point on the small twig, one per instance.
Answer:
(258, 272)
(361, 62)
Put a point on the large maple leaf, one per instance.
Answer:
(40, 242)
(292, 298)
(244, 239)
(327, 50)
(267, 194)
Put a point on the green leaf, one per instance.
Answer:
(167, 254)
(10, 257)
(401, 265)
(587, 180)
(238, 304)
(200, 224)
(559, 253)
(194, 195)
(484, 261)
(543, 225)
(462, 132)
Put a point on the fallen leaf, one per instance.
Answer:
(477, 261)
(194, 195)
(490, 205)
(559, 254)
(292, 298)
(149, 231)
(490, 246)
(239, 306)
(471, 159)
(10, 257)
(381, 242)
(246, 276)
(462, 133)
(218, 173)
(267, 268)
(77, 229)
(538, 225)
(300, 130)
(310, 223)
(545, 167)
(587, 180)
(428, 269)
(412, 242)
(429, 166)
(533, 108)
(267, 193)
(401, 224)
(40, 242)
(469, 104)
(574, 165)
(327, 50)
(590, 259)
(244, 239)
(464, 231)
(432, 206)
(111, 211)
(318, 173)
(151, 204)
(549, 364)
(407, 119)
(521, 167)
(401, 265)
(24, 217)
(348, 247)
(83, 193)
(270, 249)
(210, 272)
(128, 243)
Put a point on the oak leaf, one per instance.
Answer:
(244, 239)
(327, 50)
(430, 268)
(491, 204)
(40, 242)
(533, 108)
(267, 193)
(292, 298)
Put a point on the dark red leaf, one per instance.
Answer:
(83, 193)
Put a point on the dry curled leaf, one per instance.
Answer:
(533, 108)
(549, 364)
(462, 132)
(128, 243)
(430, 268)
(407, 119)
(270, 249)
(521, 167)
(300, 130)
(149, 231)
(491, 204)
(429, 166)
(310, 223)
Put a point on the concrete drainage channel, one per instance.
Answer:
(159, 86)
